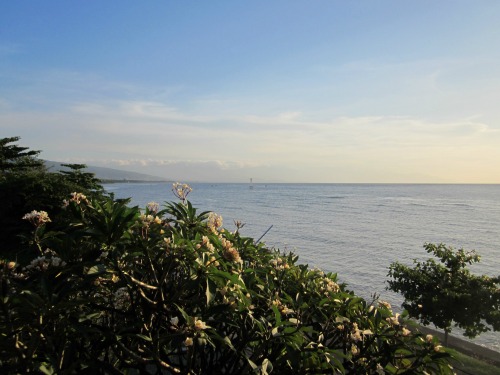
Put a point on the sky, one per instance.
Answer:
(385, 91)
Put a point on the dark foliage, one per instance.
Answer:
(446, 294)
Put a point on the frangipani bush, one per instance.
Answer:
(119, 290)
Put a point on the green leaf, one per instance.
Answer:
(98, 269)
(210, 291)
(90, 316)
(144, 337)
(46, 368)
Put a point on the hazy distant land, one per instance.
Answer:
(108, 175)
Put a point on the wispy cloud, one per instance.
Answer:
(105, 123)
(163, 140)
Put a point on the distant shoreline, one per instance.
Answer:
(106, 181)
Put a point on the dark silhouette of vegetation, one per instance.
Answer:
(26, 185)
(77, 176)
(15, 159)
(446, 294)
(108, 288)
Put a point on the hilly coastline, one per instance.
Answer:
(109, 174)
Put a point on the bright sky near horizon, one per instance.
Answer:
(277, 91)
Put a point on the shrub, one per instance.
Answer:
(118, 290)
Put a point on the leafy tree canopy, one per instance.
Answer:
(446, 294)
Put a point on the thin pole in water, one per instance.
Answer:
(268, 229)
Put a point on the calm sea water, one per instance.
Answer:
(355, 230)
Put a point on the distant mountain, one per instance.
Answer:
(108, 174)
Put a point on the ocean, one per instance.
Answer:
(354, 230)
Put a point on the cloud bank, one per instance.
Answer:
(160, 139)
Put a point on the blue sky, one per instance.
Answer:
(280, 91)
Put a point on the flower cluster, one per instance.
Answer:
(385, 304)
(230, 252)
(429, 339)
(332, 286)
(197, 329)
(283, 308)
(393, 320)
(205, 243)
(147, 220)
(329, 286)
(209, 254)
(144, 223)
(77, 198)
(279, 264)
(199, 325)
(42, 263)
(214, 222)
(153, 207)
(181, 191)
(357, 334)
(37, 218)
(405, 332)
